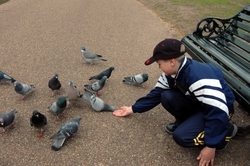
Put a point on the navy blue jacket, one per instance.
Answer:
(205, 84)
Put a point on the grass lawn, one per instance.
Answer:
(3, 1)
(185, 14)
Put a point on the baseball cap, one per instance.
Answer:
(167, 49)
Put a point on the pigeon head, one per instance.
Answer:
(145, 76)
(1, 121)
(61, 100)
(17, 85)
(112, 68)
(83, 48)
(104, 78)
(56, 76)
(78, 118)
(70, 83)
(35, 113)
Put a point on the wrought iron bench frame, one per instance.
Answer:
(226, 43)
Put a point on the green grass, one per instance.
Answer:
(184, 14)
(3, 1)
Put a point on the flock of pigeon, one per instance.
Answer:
(72, 94)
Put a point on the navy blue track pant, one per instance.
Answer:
(190, 121)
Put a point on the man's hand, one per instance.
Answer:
(206, 156)
(123, 111)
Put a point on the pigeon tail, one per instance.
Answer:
(127, 79)
(58, 144)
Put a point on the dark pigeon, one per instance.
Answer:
(7, 119)
(106, 72)
(38, 120)
(66, 131)
(54, 84)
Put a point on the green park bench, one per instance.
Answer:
(226, 43)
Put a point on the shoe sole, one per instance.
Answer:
(233, 134)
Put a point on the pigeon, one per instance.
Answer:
(72, 93)
(54, 84)
(38, 120)
(97, 103)
(138, 79)
(59, 106)
(6, 78)
(7, 119)
(106, 72)
(22, 89)
(91, 57)
(97, 86)
(66, 131)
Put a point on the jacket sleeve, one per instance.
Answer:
(148, 102)
(214, 104)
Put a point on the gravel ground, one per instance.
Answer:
(41, 38)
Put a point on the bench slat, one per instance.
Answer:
(216, 53)
(240, 53)
(242, 44)
(239, 32)
(244, 17)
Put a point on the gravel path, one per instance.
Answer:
(41, 38)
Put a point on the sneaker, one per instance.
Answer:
(232, 130)
(170, 128)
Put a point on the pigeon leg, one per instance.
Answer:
(41, 133)
(64, 114)
(98, 94)
(13, 125)
(57, 118)
(53, 94)
(23, 98)
(3, 132)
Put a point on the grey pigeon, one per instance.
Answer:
(97, 86)
(67, 130)
(97, 103)
(138, 79)
(91, 57)
(22, 89)
(6, 78)
(54, 84)
(106, 72)
(38, 120)
(58, 106)
(72, 93)
(7, 119)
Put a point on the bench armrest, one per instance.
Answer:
(212, 27)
